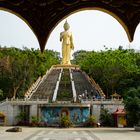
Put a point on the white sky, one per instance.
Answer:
(91, 31)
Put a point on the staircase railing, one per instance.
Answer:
(97, 87)
(33, 88)
(93, 83)
(57, 87)
(35, 85)
(73, 86)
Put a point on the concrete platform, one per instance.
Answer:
(29, 133)
(73, 66)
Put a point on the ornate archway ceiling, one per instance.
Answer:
(43, 15)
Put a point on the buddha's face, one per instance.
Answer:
(66, 26)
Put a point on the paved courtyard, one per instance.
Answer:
(70, 134)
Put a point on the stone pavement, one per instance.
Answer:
(29, 133)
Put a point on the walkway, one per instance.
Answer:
(70, 134)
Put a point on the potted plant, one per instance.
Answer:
(65, 122)
(91, 121)
(21, 118)
(34, 121)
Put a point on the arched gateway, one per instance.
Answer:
(43, 16)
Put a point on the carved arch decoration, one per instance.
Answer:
(43, 15)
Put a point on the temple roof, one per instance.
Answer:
(115, 95)
(120, 111)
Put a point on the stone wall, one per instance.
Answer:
(11, 109)
(110, 107)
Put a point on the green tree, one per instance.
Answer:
(132, 106)
(106, 118)
(1, 93)
(19, 68)
(113, 70)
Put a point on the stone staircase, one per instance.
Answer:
(64, 84)
(65, 88)
(47, 87)
(84, 88)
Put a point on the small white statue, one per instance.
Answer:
(67, 44)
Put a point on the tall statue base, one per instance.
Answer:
(67, 66)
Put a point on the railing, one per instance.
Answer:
(35, 85)
(25, 101)
(57, 86)
(33, 88)
(46, 101)
(73, 86)
(102, 101)
(1, 102)
(97, 87)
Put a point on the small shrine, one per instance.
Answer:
(119, 117)
(2, 119)
(115, 96)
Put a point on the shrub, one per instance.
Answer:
(106, 118)
(65, 121)
(34, 121)
(22, 119)
(91, 121)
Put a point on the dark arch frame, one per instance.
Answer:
(43, 16)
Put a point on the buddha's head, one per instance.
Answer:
(66, 26)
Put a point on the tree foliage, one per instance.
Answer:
(132, 106)
(106, 118)
(19, 68)
(113, 70)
